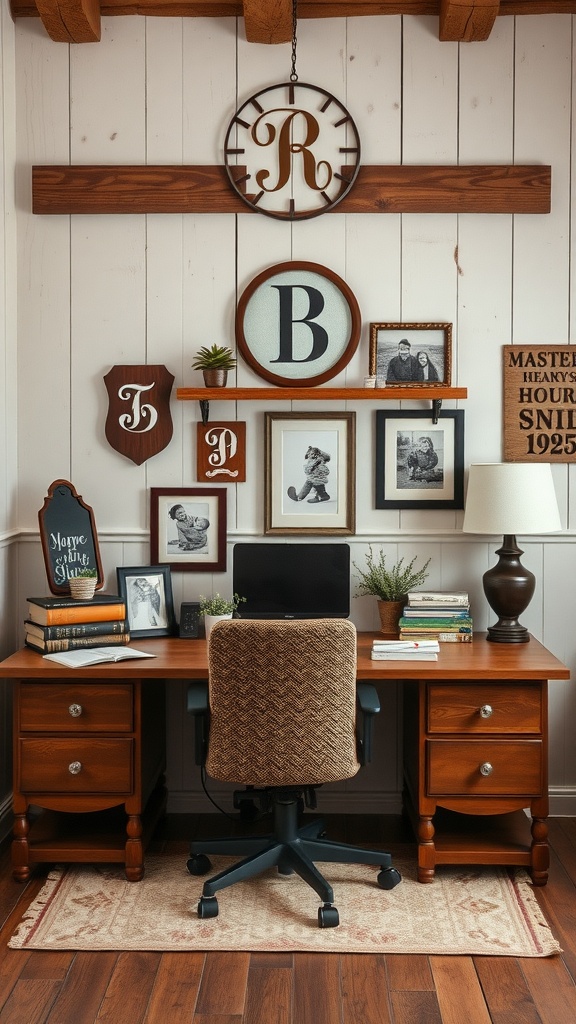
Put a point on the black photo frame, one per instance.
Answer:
(147, 593)
(419, 462)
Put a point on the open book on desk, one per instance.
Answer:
(95, 656)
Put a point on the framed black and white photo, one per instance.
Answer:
(310, 473)
(411, 355)
(188, 528)
(419, 462)
(147, 593)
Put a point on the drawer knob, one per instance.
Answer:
(75, 710)
(75, 767)
(486, 710)
(486, 768)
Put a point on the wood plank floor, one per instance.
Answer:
(261, 988)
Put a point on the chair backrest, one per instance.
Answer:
(282, 702)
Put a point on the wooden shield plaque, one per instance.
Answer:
(139, 422)
(221, 452)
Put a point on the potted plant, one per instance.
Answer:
(83, 584)
(217, 607)
(389, 586)
(214, 363)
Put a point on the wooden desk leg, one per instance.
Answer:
(134, 866)
(20, 851)
(426, 850)
(540, 853)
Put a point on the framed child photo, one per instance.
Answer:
(188, 528)
(419, 462)
(309, 475)
(411, 355)
(147, 593)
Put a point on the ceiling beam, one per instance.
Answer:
(468, 21)
(266, 20)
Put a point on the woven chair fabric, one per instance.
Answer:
(282, 702)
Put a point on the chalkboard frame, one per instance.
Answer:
(90, 554)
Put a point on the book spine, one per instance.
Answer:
(71, 631)
(435, 623)
(462, 638)
(81, 613)
(427, 599)
(405, 656)
(80, 643)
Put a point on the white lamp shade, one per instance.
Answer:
(511, 498)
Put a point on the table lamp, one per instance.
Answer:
(510, 498)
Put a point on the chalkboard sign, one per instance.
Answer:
(69, 538)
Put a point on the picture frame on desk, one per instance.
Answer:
(411, 355)
(188, 528)
(419, 463)
(309, 476)
(147, 593)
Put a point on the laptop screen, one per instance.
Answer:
(292, 581)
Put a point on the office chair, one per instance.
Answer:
(279, 717)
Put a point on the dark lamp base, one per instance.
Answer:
(509, 588)
(502, 633)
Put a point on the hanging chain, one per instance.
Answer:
(293, 75)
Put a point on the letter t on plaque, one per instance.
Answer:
(221, 452)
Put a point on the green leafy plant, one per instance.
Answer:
(86, 574)
(219, 605)
(389, 584)
(218, 357)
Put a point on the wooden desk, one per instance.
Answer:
(475, 746)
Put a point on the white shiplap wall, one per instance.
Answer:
(96, 291)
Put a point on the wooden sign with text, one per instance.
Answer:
(221, 452)
(540, 403)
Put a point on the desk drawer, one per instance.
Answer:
(457, 767)
(76, 707)
(485, 708)
(76, 765)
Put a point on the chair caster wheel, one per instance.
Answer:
(198, 864)
(207, 906)
(328, 916)
(388, 878)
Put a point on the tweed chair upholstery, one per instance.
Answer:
(282, 702)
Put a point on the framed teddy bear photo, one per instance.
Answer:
(309, 473)
(188, 528)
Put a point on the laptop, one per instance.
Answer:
(292, 580)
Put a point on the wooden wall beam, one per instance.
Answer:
(71, 21)
(406, 189)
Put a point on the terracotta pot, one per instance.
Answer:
(82, 588)
(390, 612)
(215, 378)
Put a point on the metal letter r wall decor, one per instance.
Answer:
(139, 422)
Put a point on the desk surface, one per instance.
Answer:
(187, 659)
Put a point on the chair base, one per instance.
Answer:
(288, 848)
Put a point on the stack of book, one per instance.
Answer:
(405, 650)
(57, 624)
(443, 616)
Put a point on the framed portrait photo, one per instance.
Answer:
(419, 463)
(188, 528)
(310, 473)
(411, 355)
(147, 593)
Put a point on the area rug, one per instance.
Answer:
(465, 910)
